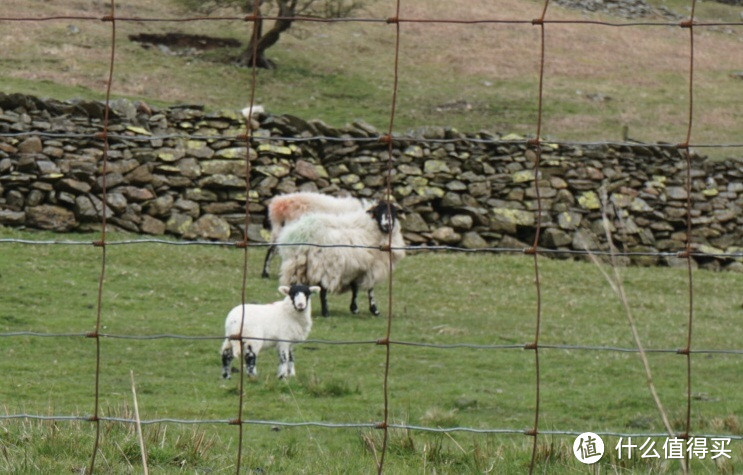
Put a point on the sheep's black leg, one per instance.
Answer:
(354, 293)
(373, 303)
(226, 362)
(324, 301)
(250, 360)
(267, 261)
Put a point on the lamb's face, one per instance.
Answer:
(299, 295)
(385, 214)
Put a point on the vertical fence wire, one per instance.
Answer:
(537, 148)
(388, 198)
(687, 252)
(245, 243)
(102, 242)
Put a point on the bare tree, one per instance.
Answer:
(285, 13)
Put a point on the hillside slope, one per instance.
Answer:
(598, 79)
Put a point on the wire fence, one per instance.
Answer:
(534, 252)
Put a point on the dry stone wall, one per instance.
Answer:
(181, 171)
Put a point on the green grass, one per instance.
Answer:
(439, 298)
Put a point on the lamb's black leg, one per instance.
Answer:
(373, 303)
(226, 362)
(291, 362)
(354, 294)
(324, 301)
(250, 360)
(267, 261)
(285, 361)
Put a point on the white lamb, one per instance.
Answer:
(284, 209)
(327, 258)
(275, 324)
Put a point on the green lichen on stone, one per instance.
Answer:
(621, 200)
(166, 156)
(638, 204)
(274, 149)
(522, 176)
(138, 130)
(430, 191)
(518, 217)
(589, 200)
(230, 115)
(512, 138)
(321, 172)
(414, 151)
(436, 166)
(276, 170)
(233, 153)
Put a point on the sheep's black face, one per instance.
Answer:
(385, 214)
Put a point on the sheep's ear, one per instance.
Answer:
(284, 290)
(315, 289)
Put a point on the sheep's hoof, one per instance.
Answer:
(354, 309)
(374, 311)
(265, 275)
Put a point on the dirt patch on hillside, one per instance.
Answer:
(182, 43)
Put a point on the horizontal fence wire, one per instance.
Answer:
(352, 425)
(542, 145)
(441, 346)
(371, 139)
(380, 20)
(409, 249)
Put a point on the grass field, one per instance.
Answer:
(439, 298)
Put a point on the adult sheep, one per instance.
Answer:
(276, 324)
(342, 252)
(283, 209)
